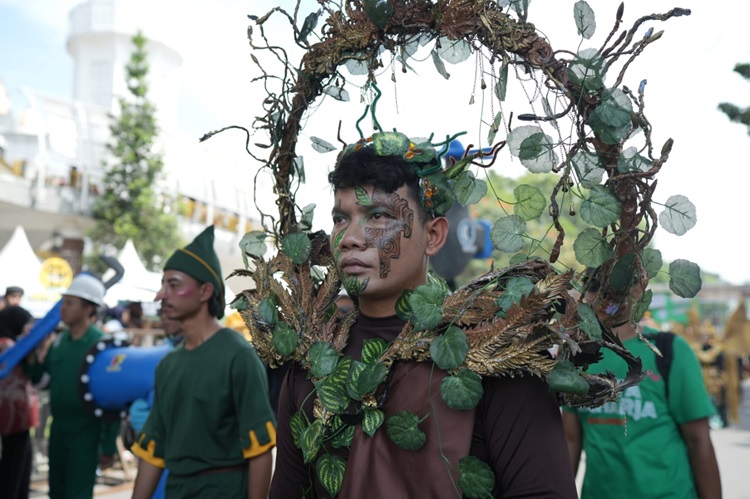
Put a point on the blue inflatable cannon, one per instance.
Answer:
(114, 374)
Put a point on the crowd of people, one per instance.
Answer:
(211, 422)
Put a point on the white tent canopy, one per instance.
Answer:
(137, 283)
(19, 265)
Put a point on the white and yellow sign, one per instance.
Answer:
(56, 273)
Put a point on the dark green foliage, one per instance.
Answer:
(129, 207)
(733, 112)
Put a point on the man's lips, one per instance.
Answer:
(353, 265)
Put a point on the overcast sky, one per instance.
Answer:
(689, 72)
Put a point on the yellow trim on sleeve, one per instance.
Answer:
(147, 454)
(255, 448)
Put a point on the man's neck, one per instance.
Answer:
(78, 330)
(377, 308)
(199, 329)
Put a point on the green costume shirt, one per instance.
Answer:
(77, 437)
(634, 447)
(211, 408)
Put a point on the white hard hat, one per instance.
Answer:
(87, 287)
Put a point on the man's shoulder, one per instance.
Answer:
(228, 335)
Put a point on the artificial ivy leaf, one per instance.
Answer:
(427, 305)
(589, 169)
(601, 208)
(591, 249)
(685, 278)
(296, 246)
(462, 391)
(449, 349)
(507, 233)
(403, 307)
(353, 378)
(585, 19)
(495, 127)
(587, 69)
(387, 143)
(323, 358)
(308, 26)
(343, 434)
(321, 145)
(442, 201)
(356, 67)
(338, 93)
(433, 278)
(678, 216)
(631, 161)
(564, 377)
(530, 202)
(363, 197)
(373, 419)
(454, 51)
(372, 350)
(468, 189)
(330, 470)
(641, 306)
(369, 378)
(239, 303)
(515, 289)
(439, 64)
(518, 258)
(589, 323)
(533, 147)
(548, 112)
(611, 119)
(306, 221)
(268, 311)
(332, 389)
(623, 273)
(299, 168)
(379, 12)
(501, 88)
(297, 425)
(252, 244)
(310, 440)
(284, 339)
(477, 479)
(403, 430)
(652, 261)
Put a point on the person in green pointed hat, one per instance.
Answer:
(210, 423)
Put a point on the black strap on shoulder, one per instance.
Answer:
(664, 342)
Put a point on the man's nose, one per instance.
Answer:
(353, 237)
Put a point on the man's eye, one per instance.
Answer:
(381, 216)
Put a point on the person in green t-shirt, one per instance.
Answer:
(79, 441)
(653, 442)
(210, 423)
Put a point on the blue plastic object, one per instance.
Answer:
(41, 328)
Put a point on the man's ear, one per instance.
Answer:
(206, 291)
(437, 233)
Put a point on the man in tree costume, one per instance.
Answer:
(211, 423)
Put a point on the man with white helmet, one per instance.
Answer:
(76, 436)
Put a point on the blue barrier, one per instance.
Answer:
(26, 344)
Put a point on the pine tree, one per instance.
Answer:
(735, 113)
(129, 207)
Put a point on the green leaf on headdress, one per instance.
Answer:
(449, 349)
(267, 311)
(454, 51)
(427, 304)
(591, 249)
(372, 420)
(611, 119)
(338, 93)
(343, 434)
(685, 278)
(321, 145)
(332, 389)
(306, 221)
(403, 430)
(363, 197)
(652, 261)
(297, 425)
(501, 88)
(533, 147)
(372, 350)
(530, 202)
(296, 246)
(585, 19)
(462, 391)
(601, 208)
(494, 127)
(379, 12)
(252, 244)
(623, 273)
(310, 440)
(678, 216)
(389, 143)
(507, 233)
(515, 289)
(330, 470)
(587, 69)
(469, 190)
(589, 168)
(630, 161)
(424, 152)
(364, 378)
(477, 479)
(439, 64)
(403, 307)
(323, 358)
(284, 339)
(641, 306)
(442, 199)
(564, 377)
(589, 323)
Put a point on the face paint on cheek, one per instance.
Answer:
(185, 291)
(388, 239)
(354, 285)
(336, 244)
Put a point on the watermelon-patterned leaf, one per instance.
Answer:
(330, 470)
(373, 419)
(297, 425)
(311, 440)
(373, 349)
